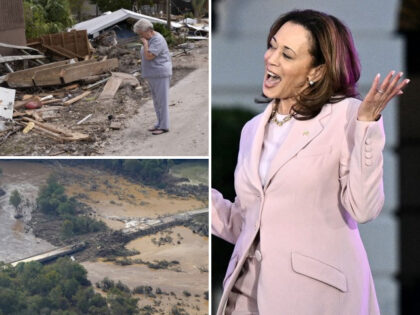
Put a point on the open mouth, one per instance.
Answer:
(271, 75)
(271, 79)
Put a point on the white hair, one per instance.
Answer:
(142, 25)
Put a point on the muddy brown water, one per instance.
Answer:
(15, 242)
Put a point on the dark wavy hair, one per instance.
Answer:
(332, 46)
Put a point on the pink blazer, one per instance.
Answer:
(326, 177)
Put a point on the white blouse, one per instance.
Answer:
(273, 139)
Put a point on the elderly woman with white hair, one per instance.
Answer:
(156, 68)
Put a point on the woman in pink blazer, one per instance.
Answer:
(309, 169)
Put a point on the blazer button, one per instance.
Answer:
(368, 148)
(258, 255)
(368, 162)
(368, 141)
(368, 155)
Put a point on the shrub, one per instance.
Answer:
(165, 32)
(177, 310)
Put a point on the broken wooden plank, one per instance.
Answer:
(63, 51)
(8, 67)
(19, 47)
(52, 76)
(79, 72)
(110, 88)
(77, 98)
(15, 58)
(44, 132)
(75, 43)
(56, 50)
(52, 101)
(48, 127)
(71, 87)
(117, 79)
(23, 78)
(17, 114)
(37, 116)
(37, 60)
(95, 80)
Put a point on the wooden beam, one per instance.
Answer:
(58, 51)
(57, 133)
(48, 127)
(52, 76)
(14, 58)
(77, 98)
(81, 71)
(23, 78)
(112, 86)
(19, 47)
(37, 60)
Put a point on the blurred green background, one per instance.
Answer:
(226, 130)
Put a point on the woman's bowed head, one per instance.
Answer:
(144, 29)
(311, 60)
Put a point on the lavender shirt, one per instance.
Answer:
(161, 65)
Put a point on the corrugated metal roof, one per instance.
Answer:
(95, 25)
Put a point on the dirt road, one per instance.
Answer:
(188, 113)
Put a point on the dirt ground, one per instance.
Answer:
(185, 287)
(113, 198)
(131, 108)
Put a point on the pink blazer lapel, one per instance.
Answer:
(256, 147)
(300, 135)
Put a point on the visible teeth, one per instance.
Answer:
(271, 74)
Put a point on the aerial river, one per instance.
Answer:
(16, 241)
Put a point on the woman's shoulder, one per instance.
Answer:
(348, 106)
(255, 121)
(348, 102)
(157, 36)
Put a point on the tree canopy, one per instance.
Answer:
(46, 16)
(15, 199)
(58, 288)
(112, 5)
(52, 200)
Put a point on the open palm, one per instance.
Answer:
(377, 98)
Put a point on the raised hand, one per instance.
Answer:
(378, 97)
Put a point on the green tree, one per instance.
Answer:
(51, 196)
(15, 199)
(123, 303)
(46, 16)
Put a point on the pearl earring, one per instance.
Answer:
(311, 83)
